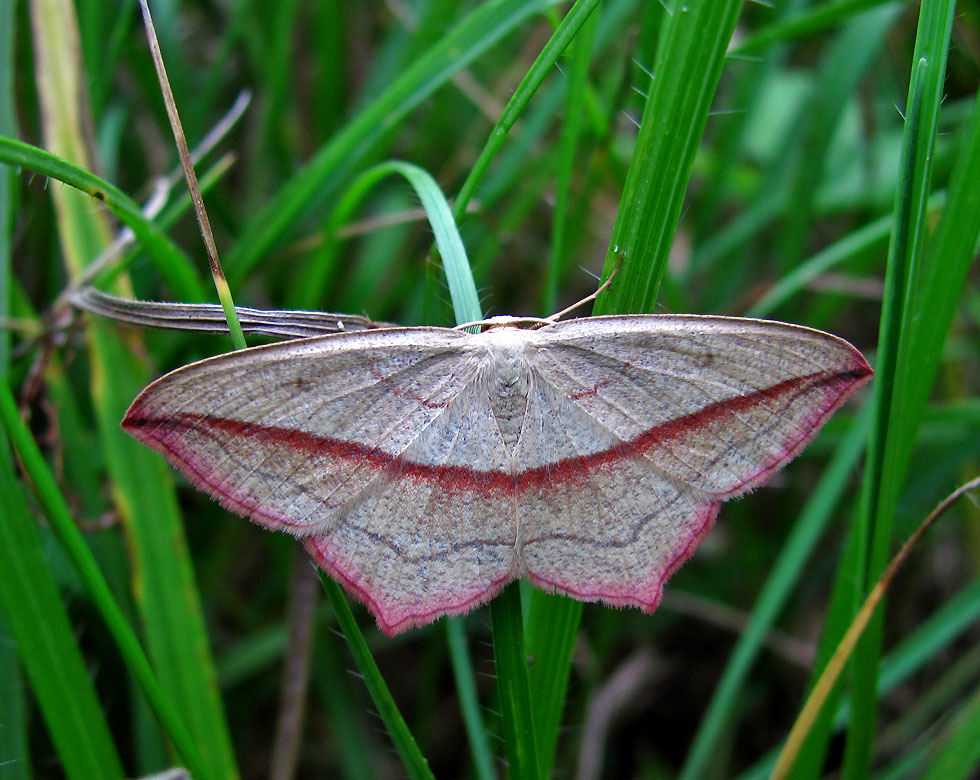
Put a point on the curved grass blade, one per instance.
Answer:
(483, 27)
(172, 264)
(466, 302)
(888, 446)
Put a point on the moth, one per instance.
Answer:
(425, 468)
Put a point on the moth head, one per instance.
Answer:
(505, 321)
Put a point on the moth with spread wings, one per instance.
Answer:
(425, 468)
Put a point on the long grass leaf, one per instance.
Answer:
(510, 660)
(690, 57)
(469, 704)
(144, 493)
(483, 27)
(959, 757)
(542, 65)
(71, 539)
(571, 128)
(884, 477)
(44, 639)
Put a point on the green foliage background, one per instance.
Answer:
(813, 162)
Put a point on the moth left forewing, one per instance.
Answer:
(289, 433)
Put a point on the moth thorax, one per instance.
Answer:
(509, 382)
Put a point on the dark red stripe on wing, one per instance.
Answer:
(165, 430)
(837, 385)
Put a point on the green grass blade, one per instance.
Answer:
(462, 289)
(933, 293)
(690, 56)
(71, 539)
(552, 633)
(804, 23)
(571, 129)
(412, 758)
(13, 708)
(336, 689)
(164, 580)
(8, 179)
(785, 574)
(956, 617)
(469, 704)
(949, 252)
(43, 637)
(13, 693)
(884, 476)
(553, 621)
(914, 653)
(170, 261)
(510, 660)
(518, 103)
(466, 307)
(540, 68)
(483, 27)
(959, 757)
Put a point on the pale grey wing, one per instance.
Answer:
(413, 551)
(289, 434)
(436, 534)
(716, 402)
(660, 419)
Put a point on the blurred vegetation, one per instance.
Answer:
(807, 198)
